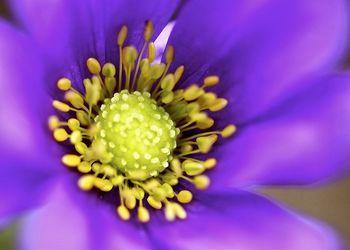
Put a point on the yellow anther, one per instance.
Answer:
(84, 167)
(185, 196)
(92, 91)
(143, 214)
(96, 167)
(73, 124)
(170, 212)
(201, 182)
(139, 193)
(118, 180)
(148, 31)
(207, 99)
(186, 148)
(129, 56)
(192, 168)
(81, 148)
(54, 122)
(228, 131)
(154, 203)
(159, 194)
(211, 81)
(110, 83)
(169, 54)
(205, 123)
(60, 134)
(170, 178)
(151, 55)
(193, 110)
(179, 211)
(109, 70)
(138, 174)
(167, 97)
(168, 190)
(83, 118)
(157, 70)
(109, 170)
(103, 184)
(193, 92)
(175, 166)
(93, 130)
(123, 33)
(210, 163)
(202, 120)
(86, 182)
(152, 183)
(123, 212)
(178, 73)
(168, 82)
(205, 143)
(76, 137)
(218, 104)
(130, 200)
(61, 106)
(75, 99)
(71, 160)
(64, 84)
(93, 65)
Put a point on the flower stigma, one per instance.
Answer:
(135, 132)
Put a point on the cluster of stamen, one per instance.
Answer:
(134, 131)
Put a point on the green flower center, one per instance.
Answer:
(139, 135)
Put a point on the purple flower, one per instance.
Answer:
(276, 61)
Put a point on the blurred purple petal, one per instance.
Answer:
(304, 140)
(73, 219)
(24, 101)
(23, 184)
(69, 32)
(260, 49)
(240, 220)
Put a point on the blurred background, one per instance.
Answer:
(328, 203)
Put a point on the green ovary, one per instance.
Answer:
(139, 135)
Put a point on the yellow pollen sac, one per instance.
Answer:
(86, 182)
(61, 106)
(228, 131)
(184, 196)
(122, 35)
(143, 214)
(54, 122)
(211, 81)
(123, 212)
(201, 182)
(134, 133)
(71, 160)
(210, 163)
(93, 66)
(64, 84)
(60, 134)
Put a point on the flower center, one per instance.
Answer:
(139, 135)
(134, 132)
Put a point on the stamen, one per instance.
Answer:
(132, 130)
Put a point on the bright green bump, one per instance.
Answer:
(140, 135)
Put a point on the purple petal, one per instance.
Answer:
(23, 184)
(260, 49)
(303, 140)
(24, 101)
(74, 219)
(26, 148)
(69, 32)
(239, 220)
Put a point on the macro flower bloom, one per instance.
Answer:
(276, 62)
